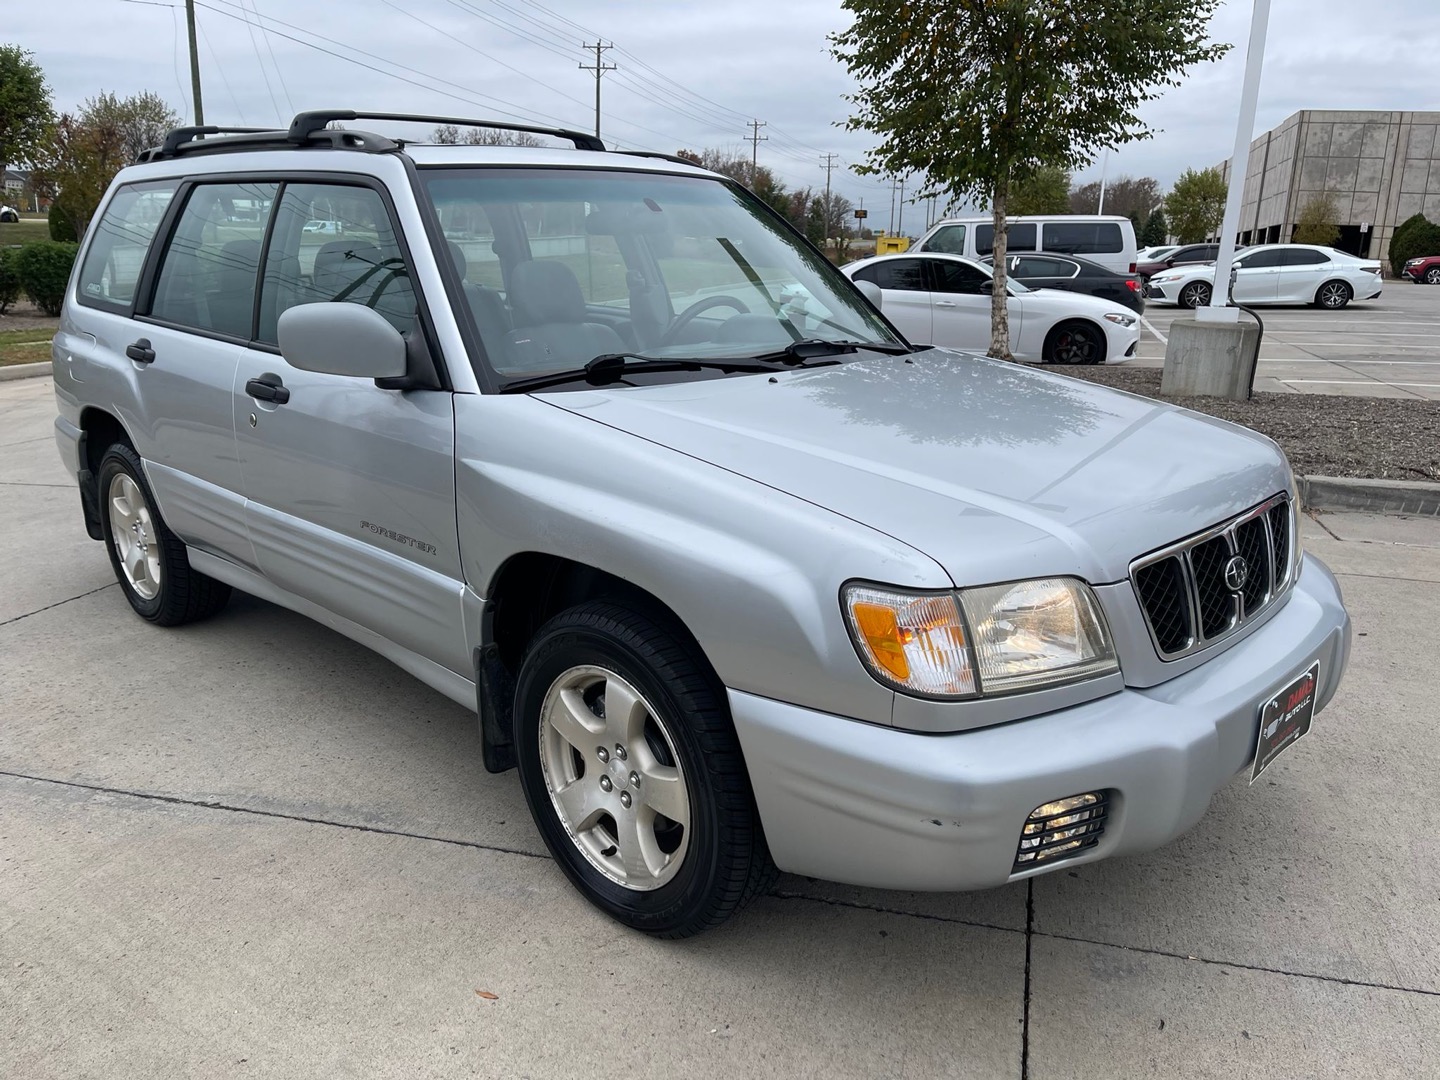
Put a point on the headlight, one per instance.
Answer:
(1123, 320)
(992, 640)
(1160, 279)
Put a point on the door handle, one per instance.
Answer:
(268, 387)
(944, 303)
(140, 351)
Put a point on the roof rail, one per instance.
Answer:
(182, 135)
(676, 158)
(307, 124)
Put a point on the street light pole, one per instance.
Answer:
(194, 64)
(1218, 309)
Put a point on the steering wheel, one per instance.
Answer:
(686, 317)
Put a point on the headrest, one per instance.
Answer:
(457, 256)
(545, 292)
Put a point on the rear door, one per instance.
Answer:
(906, 300)
(1301, 272)
(1257, 277)
(351, 487)
(1044, 271)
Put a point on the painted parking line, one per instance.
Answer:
(1151, 327)
(1318, 360)
(1363, 382)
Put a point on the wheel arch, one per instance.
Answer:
(1070, 320)
(99, 430)
(1332, 281)
(526, 590)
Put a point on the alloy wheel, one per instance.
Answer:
(1196, 295)
(613, 776)
(1074, 345)
(1334, 295)
(1432, 276)
(135, 536)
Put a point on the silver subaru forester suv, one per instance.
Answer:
(739, 579)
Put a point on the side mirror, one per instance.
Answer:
(1170, 261)
(987, 287)
(341, 339)
(871, 292)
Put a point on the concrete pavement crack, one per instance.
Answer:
(1029, 941)
(58, 603)
(208, 804)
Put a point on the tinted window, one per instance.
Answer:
(1197, 253)
(1303, 257)
(958, 277)
(334, 244)
(901, 275)
(1033, 266)
(949, 239)
(207, 274)
(1259, 260)
(122, 238)
(1084, 237)
(1021, 238)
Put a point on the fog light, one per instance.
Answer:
(1062, 829)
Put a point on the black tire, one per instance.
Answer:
(725, 863)
(1075, 341)
(1333, 295)
(1196, 294)
(1432, 276)
(9, 217)
(184, 594)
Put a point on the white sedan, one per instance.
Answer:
(1275, 274)
(936, 299)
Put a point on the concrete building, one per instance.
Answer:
(1381, 167)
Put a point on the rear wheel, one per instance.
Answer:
(1432, 276)
(1333, 295)
(1196, 294)
(633, 772)
(149, 560)
(1074, 342)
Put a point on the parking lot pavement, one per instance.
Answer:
(1388, 347)
(252, 847)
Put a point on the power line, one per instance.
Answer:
(270, 47)
(215, 58)
(599, 68)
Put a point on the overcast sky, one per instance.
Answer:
(689, 74)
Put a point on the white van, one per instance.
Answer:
(1107, 240)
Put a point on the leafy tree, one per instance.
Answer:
(450, 135)
(1156, 230)
(1196, 205)
(978, 95)
(1416, 237)
(82, 153)
(1046, 192)
(736, 166)
(1316, 223)
(1126, 195)
(43, 269)
(25, 112)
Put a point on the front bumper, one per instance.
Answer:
(1166, 293)
(874, 806)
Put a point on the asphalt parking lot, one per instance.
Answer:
(1388, 347)
(253, 848)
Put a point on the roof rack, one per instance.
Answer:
(182, 135)
(307, 124)
(676, 158)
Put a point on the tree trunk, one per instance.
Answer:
(999, 308)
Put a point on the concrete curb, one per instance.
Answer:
(1418, 497)
(25, 371)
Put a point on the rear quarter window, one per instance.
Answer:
(117, 252)
(1084, 237)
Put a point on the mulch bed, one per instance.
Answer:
(23, 315)
(1376, 438)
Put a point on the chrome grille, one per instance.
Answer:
(1192, 592)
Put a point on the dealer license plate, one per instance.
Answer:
(1285, 718)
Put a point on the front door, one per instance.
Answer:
(1257, 277)
(351, 487)
(962, 306)
(906, 299)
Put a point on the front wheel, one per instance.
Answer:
(633, 772)
(1196, 294)
(1074, 342)
(1432, 276)
(1333, 295)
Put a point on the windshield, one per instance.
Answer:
(559, 266)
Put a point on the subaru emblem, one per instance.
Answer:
(1237, 572)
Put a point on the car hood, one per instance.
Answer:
(995, 470)
(1066, 301)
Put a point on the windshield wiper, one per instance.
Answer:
(609, 367)
(797, 352)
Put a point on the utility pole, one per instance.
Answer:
(1104, 168)
(194, 64)
(828, 164)
(900, 219)
(599, 68)
(890, 229)
(755, 140)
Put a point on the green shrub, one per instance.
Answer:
(9, 281)
(43, 270)
(1413, 239)
(62, 225)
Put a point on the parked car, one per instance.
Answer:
(945, 300)
(1276, 274)
(324, 225)
(9, 215)
(1426, 269)
(1188, 255)
(1109, 241)
(735, 588)
(1152, 254)
(1046, 270)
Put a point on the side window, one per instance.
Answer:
(1259, 260)
(1302, 257)
(122, 238)
(1038, 266)
(207, 274)
(334, 243)
(1021, 238)
(949, 239)
(958, 277)
(1084, 237)
(897, 275)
